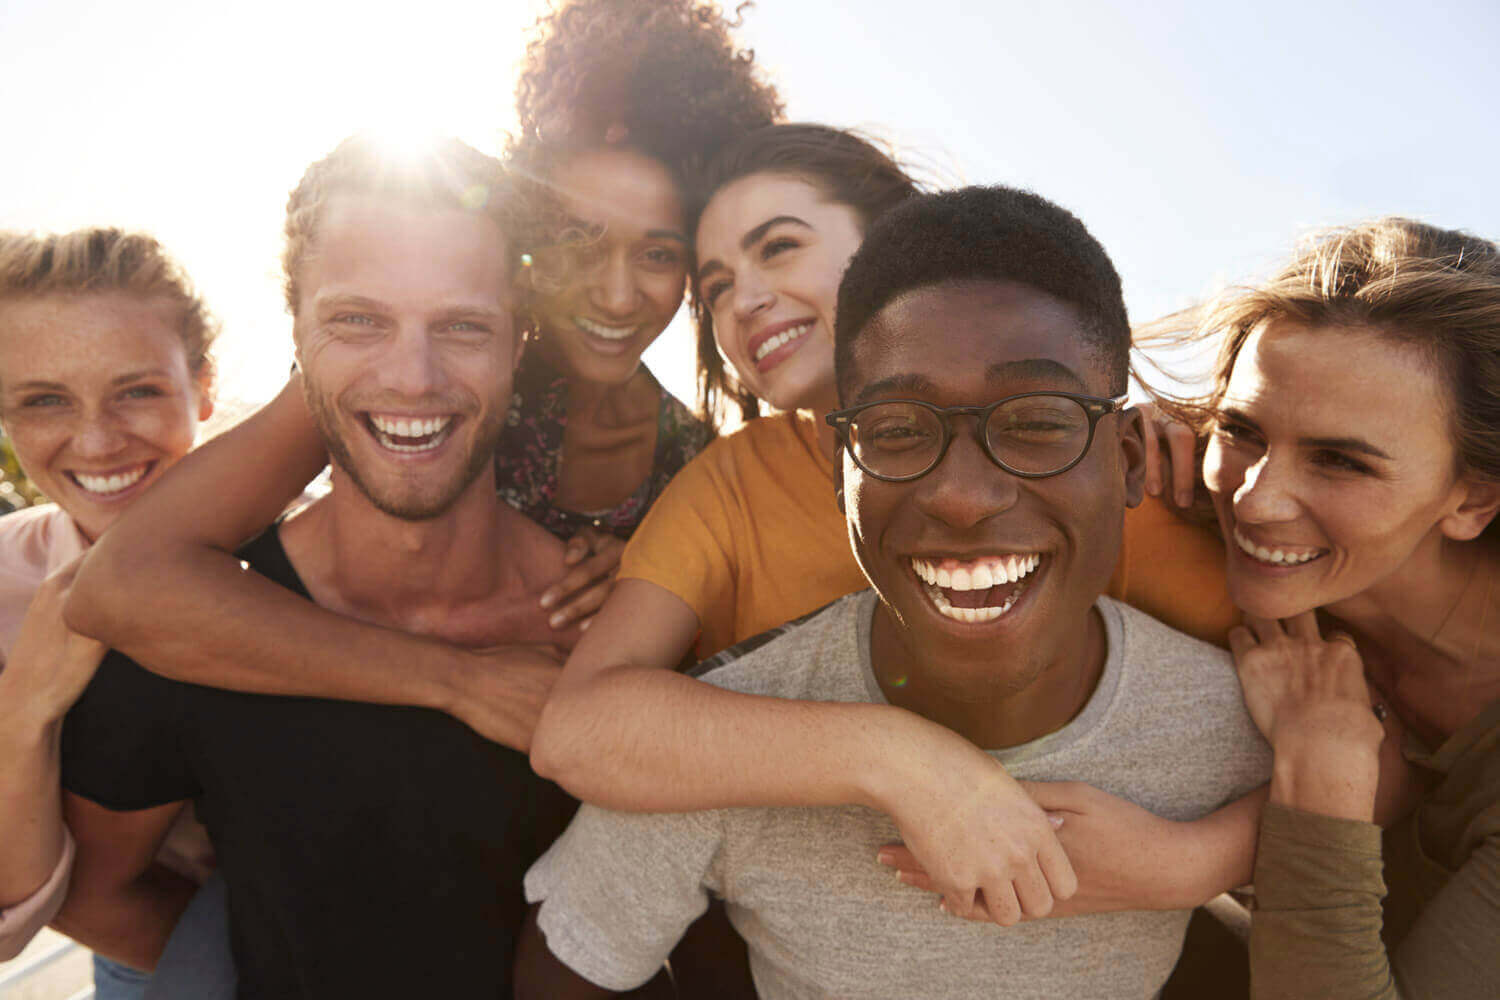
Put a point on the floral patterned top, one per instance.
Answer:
(530, 450)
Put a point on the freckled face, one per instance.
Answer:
(96, 397)
(772, 249)
(1330, 464)
(623, 289)
(405, 339)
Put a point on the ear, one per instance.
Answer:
(1132, 444)
(838, 477)
(205, 379)
(1478, 503)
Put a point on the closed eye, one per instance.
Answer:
(711, 291)
(143, 391)
(777, 245)
(44, 399)
(1339, 462)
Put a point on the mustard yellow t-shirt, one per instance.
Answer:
(749, 536)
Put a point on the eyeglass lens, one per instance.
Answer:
(1031, 434)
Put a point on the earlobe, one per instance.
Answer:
(1132, 443)
(1478, 505)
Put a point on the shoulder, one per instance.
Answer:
(1154, 646)
(29, 537)
(815, 656)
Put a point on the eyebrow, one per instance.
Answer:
(1357, 445)
(35, 384)
(915, 384)
(666, 234)
(596, 230)
(1041, 369)
(749, 240)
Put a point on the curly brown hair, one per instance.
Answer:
(664, 76)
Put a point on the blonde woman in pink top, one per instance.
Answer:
(104, 378)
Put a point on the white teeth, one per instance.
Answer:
(1275, 557)
(981, 574)
(600, 330)
(971, 616)
(105, 485)
(388, 428)
(784, 337)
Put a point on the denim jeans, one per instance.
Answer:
(197, 964)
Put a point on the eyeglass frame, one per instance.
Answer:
(1095, 407)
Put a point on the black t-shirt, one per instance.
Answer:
(369, 850)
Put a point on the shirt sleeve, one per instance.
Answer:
(121, 745)
(685, 545)
(1316, 931)
(618, 890)
(19, 923)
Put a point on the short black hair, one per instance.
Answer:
(985, 234)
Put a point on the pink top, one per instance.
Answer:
(34, 543)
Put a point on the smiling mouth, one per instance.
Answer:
(107, 486)
(410, 435)
(1276, 556)
(603, 332)
(976, 591)
(780, 340)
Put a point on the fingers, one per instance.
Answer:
(1057, 869)
(1303, 626)
(1241, 641)
(1004, 905)
(1182, 446)
(1266, 630)
(1153, 452)
(579, 546)
(583, 606)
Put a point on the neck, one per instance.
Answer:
(388, 569)
(612, 403)
(991, 700)
(1436, 601)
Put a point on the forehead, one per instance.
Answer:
(68, 337)
(743, 204)
(975, 339)
(1327, 381)
(620, 188)
(379, 249)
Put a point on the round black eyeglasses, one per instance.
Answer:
(1033, 435)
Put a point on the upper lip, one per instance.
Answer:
(767, 332)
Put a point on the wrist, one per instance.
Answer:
(445, 685)
(1327, 776)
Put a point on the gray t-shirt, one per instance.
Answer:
(1165, 728)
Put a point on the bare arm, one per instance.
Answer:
(49, 667)
(121, 903)
(209, 622)
(623, 732)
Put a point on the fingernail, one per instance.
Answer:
(584, 625)
(886, 858)
(548, 599)
(1056, 820)
(943, 905)
(1184, 499)
(1153, 487)
(558, 620)
(903, 877)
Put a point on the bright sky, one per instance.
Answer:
(1196, 140)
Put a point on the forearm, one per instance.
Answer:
(649, 740)
(31, 823)
(214, 499)
(132, 923)
(1223, 846)
(1316, 927)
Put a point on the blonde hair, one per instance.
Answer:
(446, 174)
(107, 260)
(1437, 290)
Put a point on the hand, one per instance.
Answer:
(1309, 699)
(1125, 857)
(1171, 456)
(50, 664)
(985, 846)
(594, 558)
(502, 690)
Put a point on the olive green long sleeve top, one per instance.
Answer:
(1320, 929)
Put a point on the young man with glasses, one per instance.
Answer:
(981, 352)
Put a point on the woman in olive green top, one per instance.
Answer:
(1353, 459)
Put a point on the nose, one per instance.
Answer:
(751, 296)
(612, 286)
(411, 366)
(101, 435)
(966, 488)
(1267, 494)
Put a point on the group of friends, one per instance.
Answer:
(947, 673)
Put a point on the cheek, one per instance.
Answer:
(35, 441)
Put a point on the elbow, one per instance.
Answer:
(93, 606)
(555, 754)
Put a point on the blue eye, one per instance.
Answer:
(45, 399)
